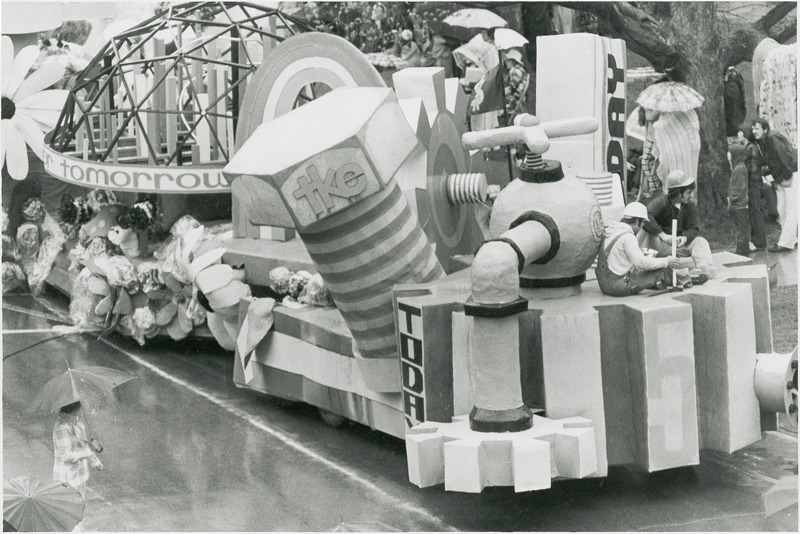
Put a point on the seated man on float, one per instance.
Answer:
(622, 268)
(656, 233)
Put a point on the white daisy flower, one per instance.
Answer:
(28, 112)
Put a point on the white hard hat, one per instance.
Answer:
(635, 210)
(678, 178)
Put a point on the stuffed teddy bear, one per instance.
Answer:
(129, 234)
(74, 213)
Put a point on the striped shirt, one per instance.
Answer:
(71, 451)
(648, 163)
(677, 143)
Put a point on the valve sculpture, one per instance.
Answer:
(547, 227)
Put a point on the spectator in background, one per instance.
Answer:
(441, 54)
(780, 164)
(758, 202)
(634, 166)
(407, 49)
(649, 182)
(737, 196)
(735, 108)
(515, 83)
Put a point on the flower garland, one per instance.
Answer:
(182, 285)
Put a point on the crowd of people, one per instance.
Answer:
(763, 164)
(375, 26)
(415, 34)
(770, 161)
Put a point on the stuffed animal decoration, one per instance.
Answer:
(74, 213)
(68, 55)
(127, 240)
(97, 198)
(129, 232)
(13, 276)
(39, 239)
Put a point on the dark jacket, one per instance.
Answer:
(735, 109)
(779, 155)
(753, 160)
(737, 189)
(662, 211)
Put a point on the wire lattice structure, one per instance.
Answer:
(167, 91)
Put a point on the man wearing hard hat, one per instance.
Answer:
(622, 268)
(679, 204)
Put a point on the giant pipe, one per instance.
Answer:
(527, 234)
(494, 338)
(776, 384)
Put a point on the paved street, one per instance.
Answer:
(185, 450)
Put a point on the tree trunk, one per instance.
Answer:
(695, 37)
(688, 40)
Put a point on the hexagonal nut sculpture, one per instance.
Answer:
(329, 154)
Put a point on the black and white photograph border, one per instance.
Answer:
(399, 266)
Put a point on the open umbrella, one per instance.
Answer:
(670, 96)
(482, 19)
(505, 38)
(465, 23)
(30, 505)
(82, 384)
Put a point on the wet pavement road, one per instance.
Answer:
(185, 450)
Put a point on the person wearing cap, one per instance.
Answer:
(622, 268)
(515, 82)
(678, 203)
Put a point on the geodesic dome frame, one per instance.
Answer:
(167, 92)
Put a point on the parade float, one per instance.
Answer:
(471, 327)
(151, 118)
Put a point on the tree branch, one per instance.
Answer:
(642, 33)
(786, 33)
(739, 45)
(775, 15)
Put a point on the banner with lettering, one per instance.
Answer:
(190, 179)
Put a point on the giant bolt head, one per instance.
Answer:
(330, 153)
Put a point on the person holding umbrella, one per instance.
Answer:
(72, 451)
(673, 131)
